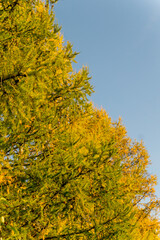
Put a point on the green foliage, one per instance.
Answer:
(66, 170)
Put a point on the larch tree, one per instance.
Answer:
(66, 170)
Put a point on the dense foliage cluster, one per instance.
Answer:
(66, 170)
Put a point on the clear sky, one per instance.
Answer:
(119, 40)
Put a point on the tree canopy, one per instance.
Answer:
(67, 171)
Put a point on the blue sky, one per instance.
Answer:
(120, 43)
